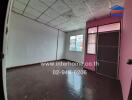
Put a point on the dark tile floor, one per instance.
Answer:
(38, 83)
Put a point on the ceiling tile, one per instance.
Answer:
(70, 14)
(81, 10)
(50, 24)
(23, 1)
(17, 10)
(101, 13)
(66, 27)
(48, 2)
(44, 18)
(51, 13)
(38, 5)
(96, 5)
(79, 7)
(32, 12)
(60, 7)
(19, 5)
(73, 3)
(73, 24)
(116, 1)
(113, 3)
(41, 20)
(59, 20)
(30, 15)
(84, 18)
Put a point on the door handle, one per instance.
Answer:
(1, 56)
(129, 62)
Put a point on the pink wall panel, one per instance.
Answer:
(126, 50)
(125, 71)
(103, 21)
(90, 62)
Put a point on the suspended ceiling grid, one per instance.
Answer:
(66, 15)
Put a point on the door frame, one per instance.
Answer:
(5, 11)
(120, 33)
(118, 60)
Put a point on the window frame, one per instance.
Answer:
(97, 35)
(70, 42)
(88, 40)
(76, 42)
(92, 43)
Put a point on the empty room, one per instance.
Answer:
(66, 50)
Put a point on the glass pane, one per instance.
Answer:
(72, 43)
(92, 30)
(92, 38)
(79, 42)
(109, 27)
(91, 49)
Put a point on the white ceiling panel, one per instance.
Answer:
(48, 2)
(17, 10)
(23, 1)
(79, 7)
(19, 5)
(69, 14)
(58, 21)
(32, 12)
(96, 5)
(60, 7)
(50, 24)
(102, 13)
(51, 13)
(45, 18)
(73, 3)
(84, 18)
(73, 26)
(77, 20)
(38, 5)
(116, 1)
(81, 10)
(41, 20)
(30, 15)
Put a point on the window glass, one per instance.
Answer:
(92, 30)
(72, 43)
(79, 42)
(76, 43)
(91, 49)
(92, 38)
(109, 27)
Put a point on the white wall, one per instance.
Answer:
(73, 55)
(61, 45)
(31, 42)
